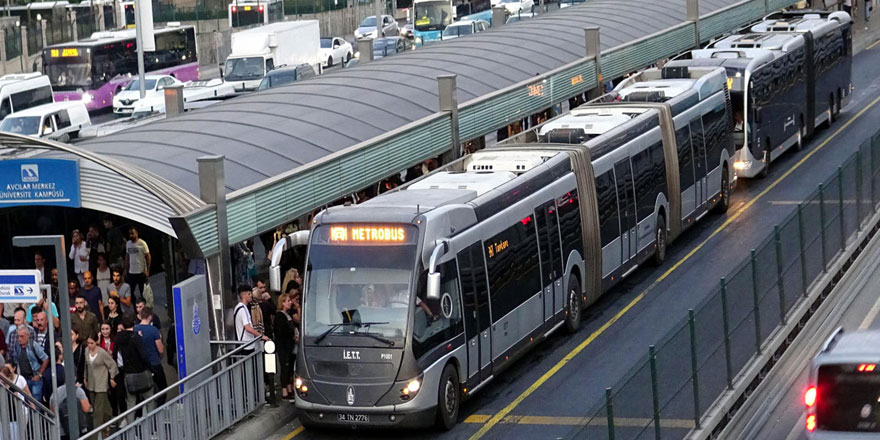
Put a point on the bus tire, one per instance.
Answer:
(660, 237)
(724, 200)
(448, 398)
(573, 318)
(834, 110)
(766, 170)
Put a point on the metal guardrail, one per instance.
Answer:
(681, 377)
(23, 417)
(287, 196)
(215, 397)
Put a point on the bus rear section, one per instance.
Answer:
(843, 399)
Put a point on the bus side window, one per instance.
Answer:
(5, 109)
(609, 218)
(512, 262)
(446, 323)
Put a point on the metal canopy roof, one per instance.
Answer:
(291, 149)
(270, 132)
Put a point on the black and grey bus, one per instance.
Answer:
(788, 75)
(841, 399)
(417, 298)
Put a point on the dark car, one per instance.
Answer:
(286, 75)
(388, 46)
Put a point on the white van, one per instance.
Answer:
(59, 121)
(21, 91)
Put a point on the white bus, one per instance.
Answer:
(417, 298)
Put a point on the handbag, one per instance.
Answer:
(138, 382)
(148, 294)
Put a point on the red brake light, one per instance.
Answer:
(526, 220)
(234, 8)
(867, 368)
(261, 8)
(810, 397)
(811, 422)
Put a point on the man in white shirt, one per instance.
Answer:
(241, 314)
(79, 253)
(40, 265)
(137, 262)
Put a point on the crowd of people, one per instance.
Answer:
(117, 339)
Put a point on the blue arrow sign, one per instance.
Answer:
(19, 286)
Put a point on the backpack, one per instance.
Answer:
(62, 414)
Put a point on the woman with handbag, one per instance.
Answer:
(284, 340)
(100, 376)
(138, 379)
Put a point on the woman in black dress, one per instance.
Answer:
(285, 340)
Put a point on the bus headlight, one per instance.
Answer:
(87, 98)
(301, 387)
(740, 165)
(411, 389)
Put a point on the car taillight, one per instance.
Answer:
(234, 8)
(810, 397)
(261, 8)
(811, 422)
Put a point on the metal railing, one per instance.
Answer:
(23, 417)
(214, 398)
(671, 388)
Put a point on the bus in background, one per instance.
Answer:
(417, 298)
(128, 15)
(790, 74)
(22, 91)
(94, 69)
(253, 12)
(844, 383)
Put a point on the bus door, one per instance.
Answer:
(551, 256)
(626, 200)
(475, 301)
(699, 148)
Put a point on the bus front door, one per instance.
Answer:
(475, 301)
(551, 258)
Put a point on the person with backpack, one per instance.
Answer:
(138, 379)
(59, 402)
(244, 324)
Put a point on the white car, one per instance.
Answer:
(516, 6)
(464, 28)
(335, 50)
(125, 102)
(367, 28)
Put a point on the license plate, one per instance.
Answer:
(361, 418)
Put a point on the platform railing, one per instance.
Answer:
(670, 389)
(23, 417)
(213, 398)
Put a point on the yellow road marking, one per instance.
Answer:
(624, 422)
(294, 433)
(872, 45)
(574, 352)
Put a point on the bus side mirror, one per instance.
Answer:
(298, 238)
(434, 286)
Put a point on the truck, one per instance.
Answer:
(258, 50)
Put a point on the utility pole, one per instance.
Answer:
(379, 27)
(139, 40)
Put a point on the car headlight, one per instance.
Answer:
(87, 98)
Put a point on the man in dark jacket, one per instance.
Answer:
(138, 379)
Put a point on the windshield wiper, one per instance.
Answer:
(333, 328)
(379, 338)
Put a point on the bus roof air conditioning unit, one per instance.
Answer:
(675, 72)
(652, 96)
(566, 136)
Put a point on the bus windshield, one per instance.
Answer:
(238, 69)
(27, 125)
(848, 398)
(355, 281)
(433, 15)
(68, 68)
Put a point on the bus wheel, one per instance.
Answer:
(724, 201)
(766, 170)
(834, 109)
(448, 398)
(573, 319)
(660, 241)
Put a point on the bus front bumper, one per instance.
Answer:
(364, 417)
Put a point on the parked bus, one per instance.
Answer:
(417, 298)
(789, 75)
(21, 91)
(94, 69)
(253, 12)
(841, 400)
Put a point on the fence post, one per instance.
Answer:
(73, 26)
(43, 30)
(779, 269)
(859, 188)
(24, 47)
(693, 330)
(822, 225)
(756, 300)
(800, 218)
(840, 196)
(652, 358)
(726, 324)
(873, 173)
(609, 409)
(3, 50)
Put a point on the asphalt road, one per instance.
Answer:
(546, 394)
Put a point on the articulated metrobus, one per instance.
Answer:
(416, 299)
(790, 74)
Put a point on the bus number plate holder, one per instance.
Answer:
(356, 418)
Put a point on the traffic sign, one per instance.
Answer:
(19, 286)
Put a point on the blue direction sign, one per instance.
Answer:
(52, 182)
(19, 286)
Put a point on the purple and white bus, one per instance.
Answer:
(94, 69)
